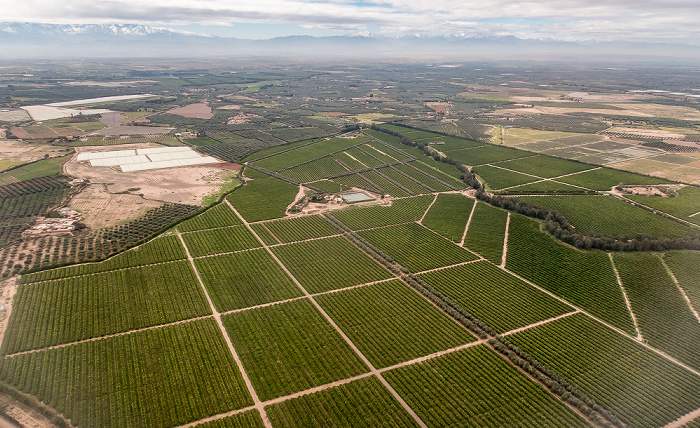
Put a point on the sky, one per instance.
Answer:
(574, 20)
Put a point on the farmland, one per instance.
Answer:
(416, 247)
(267, 301)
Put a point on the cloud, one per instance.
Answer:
(650, 20)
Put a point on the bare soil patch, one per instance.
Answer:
(25, 415)
(197, 110)
(101, 208)
(651, 133)
(8, 289)
(132, 130)
(229, 107)
(19, 151)
(225, 165)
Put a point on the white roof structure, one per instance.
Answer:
(145, 159)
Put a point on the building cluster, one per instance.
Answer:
(65, 224)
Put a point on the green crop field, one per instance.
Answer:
(499, 178)
(606, 179)
(641, 387)
(62, 311)
(545, 166)
(663, 315)
(300, 228)
(159, 250)
(376, 152)
(290, 347)
(416, 247)
(361, 403)
(249, 419)
(134, 379)
(410, 184)
(684, 265)
(684, 205)
(354, 180)
(326, 186)
(363, 157)
(544, 187)
(476, 387)
(217, 216)
(485, 154)
(583, 278)
(42, 168)
(386, 186)
(307, 153)
(241, 280)
(349, 161)
(448, 216)
(499, 299)
(450, 143)
(314, 170)
(329, 264)
(603, 215)
(431, 181)
(263, 198)
(225, 240)
(443, 171)
(390, 323)
(487, 232)
(400, 211)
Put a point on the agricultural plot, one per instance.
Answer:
(217, 216)
(395, 142)
(314, 170)
(485, 154)
(543, 187)
(639, 386)
(414, 134)
(329, 264)
(388, 150)
(449, 214)
(290, 347)
(298, 134)
(443, 171)
(378, 153)
(225, 240)
(390, 323)
(685, 205)
(326, 186)
(307, 153)
(501, 300)
(385, 185)
(364, 158)
(263, 199)
(139, 379)
(400, 211)
(242, 280)
(68, 310)
(545, 166)
(487, 232)
(476, 387)
(404, 181)
(684, 265)
(429, 181)
(249, 419)
(606, 179)
(416, 247)
(498, 178)
(263, 233)
(159, 250)
(270, 151)
(300, 228)
(361, 403)
(607, 215)
(30, 171)
(584, 278)
(349, 161)
(444, 143)
(354, 180)
(663, 315)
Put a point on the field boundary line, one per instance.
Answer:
(685, 296)
(210, 228)
(305, 240)
(693, 215)
(372, 369)
(316, 389)
(689, 417)
(215, 417)
(505, 243)
(574, 173)
(656, 211)
(217, 316)
(270, 232)
(107, 336)
(512, 170)
(520, 185)
(539, 323)
(227, 253)
(428, 209)
(623, 333)
(469, 221)
(627, 300)
(449, 266)
(434, 355)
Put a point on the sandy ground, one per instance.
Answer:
(8, 289)
(186, 185)
(660, 110)
(14, 116)
(43, 112)
(18, 151)
(102, 209)
(28, 417)
(198, 110)
(132, 130)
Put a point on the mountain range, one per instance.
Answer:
(30, 40)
